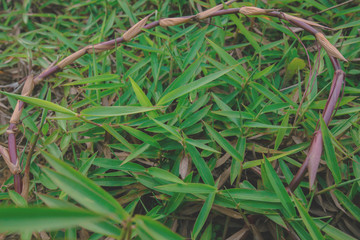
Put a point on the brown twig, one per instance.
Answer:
(26, 178)
(313, 158)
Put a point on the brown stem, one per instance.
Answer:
(315, 150)
(26, 178)
(13, 155)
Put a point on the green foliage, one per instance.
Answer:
(190, 131)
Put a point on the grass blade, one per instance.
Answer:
(348, 204)
(40, 219)
(95, 79)
(81, 188)
(308, 221)
(143, 99)
(115, 111)
(102, 227)
(182, 90)
(279, 189)
(204, 213)
(118, 137)
(188, 188)
(228, 59)
(148, 228)
(141, 136)
(41, 103)
(201, 165)
(163, 174)
(224, 144)
(331, 231)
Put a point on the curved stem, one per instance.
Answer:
(315, 150)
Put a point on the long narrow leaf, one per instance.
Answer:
(95, 79)
(224, 144)
(141, 136)
(148, 228)
(41, 103)
(279, 189)
(201, 165)
(102, 227)
(308, 221)
(188, 188)
(115, 111)
(348, 204)
(71, 181)
(40, 219)
(192, 86)
(204, 212)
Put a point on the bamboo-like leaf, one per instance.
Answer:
(137, 151)
(198, 144)
(204, 212)
(282, 131)
(273, 158)
(81, 188)
(245, 32)
(87, 164)
(331, 231)
(59, 36)
(163, 174)
(196, 117)
(41, 103)
(174, 202)
(195, 48)
(250, 194)
(224, 143)
(143, 99)
(182, 90)
(266, 92)
(348, 204)
(17, 199)
(115, 111)
(262, 125)
(115, 164)
(308, 221)
(102, 227)
(118, 137)
(37, 219)
(95, 79)
(207, 233)
(188, 188)
(300, 230)
(169, 129)
(185, 77)
(225, 108)
(85, 195)
(236, 166)
(201, 165)
(279, 189)
(148, 228)
(228, 59)
(141, 136)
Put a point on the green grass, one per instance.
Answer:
(184, 132)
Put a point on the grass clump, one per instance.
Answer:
(187, 130)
